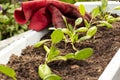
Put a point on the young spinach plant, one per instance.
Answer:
(105, 18)
(74, 33)
(53, 54)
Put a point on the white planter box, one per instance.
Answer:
(112, 71)
(8, 41)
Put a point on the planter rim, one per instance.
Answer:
(6, 42)
(90, 5)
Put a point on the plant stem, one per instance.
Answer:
(14, 78)
(73, 46)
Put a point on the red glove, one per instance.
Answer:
(42, 13)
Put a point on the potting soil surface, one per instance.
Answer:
(105, 44)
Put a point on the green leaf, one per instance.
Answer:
(47, 49)
(95, 12)
(70, 27)
(74, 38)
(44, 70)
(24, 27)
(58, 58)
(83, 54)
(87, 25)
(78, 21)
(70, 56)
(52, 77)
(66, 31)
(8, 71)
(40, 43)
(57, 36)
(92, 31)
(82, 29)
(111, 19)
(105, 23)
(53, 53)
(65, 20)
(104, 4)
(116, 8)
(5, 6)
(4, 19)
(82, 9)
(84, 38)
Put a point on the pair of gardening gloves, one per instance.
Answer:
(42, 13)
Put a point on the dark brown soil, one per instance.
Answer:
(105, 44)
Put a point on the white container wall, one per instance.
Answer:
(6, 42)
(112, 71)
(16, 47)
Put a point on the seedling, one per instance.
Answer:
(8, 72)
(73, 33)
(82, 10)
(105, 18)
(53, 54)
(46, 74)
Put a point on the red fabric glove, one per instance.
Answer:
(42, 13)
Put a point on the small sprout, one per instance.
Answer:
(70, 27)
(54, 52)
(82, 9)
(87, 25)
(78, 21)
(40, 43)
(95, 12)
(65, 20)
(84, 38)
(104, 5)
(8, 71)
(66, 31)
(44, 70)
(83, 54)
(82, 29)
(116, 8)
(46, 74)
(110, 19)
(47, 49)
(74, 38)
(105, 23)
(57, 36)
(91, 31)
